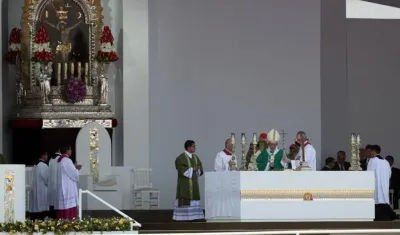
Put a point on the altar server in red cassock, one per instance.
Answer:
(67, 186)
(38, 193)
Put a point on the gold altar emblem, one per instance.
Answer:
(307, 197)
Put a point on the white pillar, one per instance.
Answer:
(136, 83)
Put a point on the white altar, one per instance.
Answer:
(12, 193)
(294, 196)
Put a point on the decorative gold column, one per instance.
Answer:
(86, 74)
(9, 203)
(94, 154)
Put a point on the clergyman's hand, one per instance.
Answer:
(271, 164)
(195, 168)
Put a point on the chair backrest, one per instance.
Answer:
(141, 178)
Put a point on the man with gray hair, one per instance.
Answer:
(307, 150)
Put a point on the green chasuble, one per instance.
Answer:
(187, 188)
(264, 158)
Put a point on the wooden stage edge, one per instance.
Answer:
(154, 221)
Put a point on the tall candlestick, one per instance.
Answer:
(59, 74)
(79, 70)
(65, 71)
(243, 167)
(72, 72)
(87, 73)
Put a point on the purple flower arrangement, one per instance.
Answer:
(75, 90)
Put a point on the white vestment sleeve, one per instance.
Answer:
(188, 173)
(71, 170)
(44, 173)
(219, 163)
(310, 158)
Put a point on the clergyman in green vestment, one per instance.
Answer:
(189, 167)
(272, 158)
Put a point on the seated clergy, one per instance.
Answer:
(38, 204)
(273, 158)
(330, 163)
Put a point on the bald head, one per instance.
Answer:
(228, 144)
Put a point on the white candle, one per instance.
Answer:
(352, 139)
(233, 138)
(79, 70)
(59, 74)
(358, 140)
(243, 138)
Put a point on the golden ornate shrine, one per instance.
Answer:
(74, 28)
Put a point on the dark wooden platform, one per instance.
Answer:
(157, 221)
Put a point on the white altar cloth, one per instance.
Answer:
(279, 196)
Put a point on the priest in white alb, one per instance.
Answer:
(382, 172)
(38, 205)
(67, 186)
(221, 162)
(52, 188)
(306, 149)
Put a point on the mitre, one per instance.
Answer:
(273, 136)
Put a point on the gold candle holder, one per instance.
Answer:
(58, 73)
(72, 71)
(65, 71)
(232, 162)
(79, 70)
(244, 161)
(87, 73)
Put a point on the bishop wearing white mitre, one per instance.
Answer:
(223, 158)
(38, 205)
(307, 149)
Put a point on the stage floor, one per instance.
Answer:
(160, 221)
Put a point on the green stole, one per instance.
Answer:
(187, 188)
(264, 158)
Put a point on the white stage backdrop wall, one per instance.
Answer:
(373, 55)
(225, 66)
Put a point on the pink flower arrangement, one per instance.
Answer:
(75, 90)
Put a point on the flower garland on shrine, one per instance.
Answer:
(14, 46)
(75, 90)
(94, 154)
(41, 49)
(107, 52)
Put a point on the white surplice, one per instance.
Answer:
(192, 212)
(52, 189)
(310, 156)
(38, 191)
(221, 162)
(382, 171)
(67, 184)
